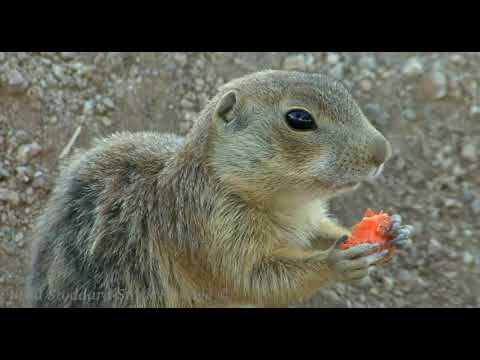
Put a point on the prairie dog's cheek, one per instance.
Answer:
(322, 165)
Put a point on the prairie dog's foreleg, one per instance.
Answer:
(329, 231)
(286, 277)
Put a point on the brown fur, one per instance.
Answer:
(233, 214)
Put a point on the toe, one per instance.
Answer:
(395, 223)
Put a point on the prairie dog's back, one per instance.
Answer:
(93, 222)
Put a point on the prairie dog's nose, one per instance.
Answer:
(382, 150)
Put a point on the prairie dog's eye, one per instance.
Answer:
(299, 119)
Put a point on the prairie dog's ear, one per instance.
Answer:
(226, 106)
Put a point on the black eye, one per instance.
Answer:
(299, 119)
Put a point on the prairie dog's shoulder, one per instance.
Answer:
(138, 146)
(145, 140)
(122, 154)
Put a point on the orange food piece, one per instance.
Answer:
(371, 229)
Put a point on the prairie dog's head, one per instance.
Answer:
(277, 131)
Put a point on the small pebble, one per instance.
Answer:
(39, 180)
(475, 112)
(469, 152)
(475, 205)
(409, 114)
(468, 258)
(186, 104)
(4, 173)
(9, 196)
(366, 85)
(88, 107)
(337, 71)
(27, 152)
(333, 58)
(106, 121)
(109, 103)
(58, 72)
(434, 247)
(295, 62)
(412, 67)
(15, 81)
(67, 55)
(433, 86)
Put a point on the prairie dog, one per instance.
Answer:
(233, 214)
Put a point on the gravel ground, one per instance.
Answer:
(427, 104)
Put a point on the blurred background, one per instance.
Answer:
(427, 105)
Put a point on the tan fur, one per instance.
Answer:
(236, 213)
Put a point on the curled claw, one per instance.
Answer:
(365, 282)
(395, 225)
(404, 243)
(354, 268)
(401, 241)
(402, 235)
(361, 278)
(410, 229)
(372, 259)
(399, 233)
(341, 240)
(358, 250)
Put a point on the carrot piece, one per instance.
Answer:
(371, 229)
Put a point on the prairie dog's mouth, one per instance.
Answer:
(349, 185)
(345, 186)
(352, 185)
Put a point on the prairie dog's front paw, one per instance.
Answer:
(352, 266)
(401, 234)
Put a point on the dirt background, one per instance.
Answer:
(427, 104)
